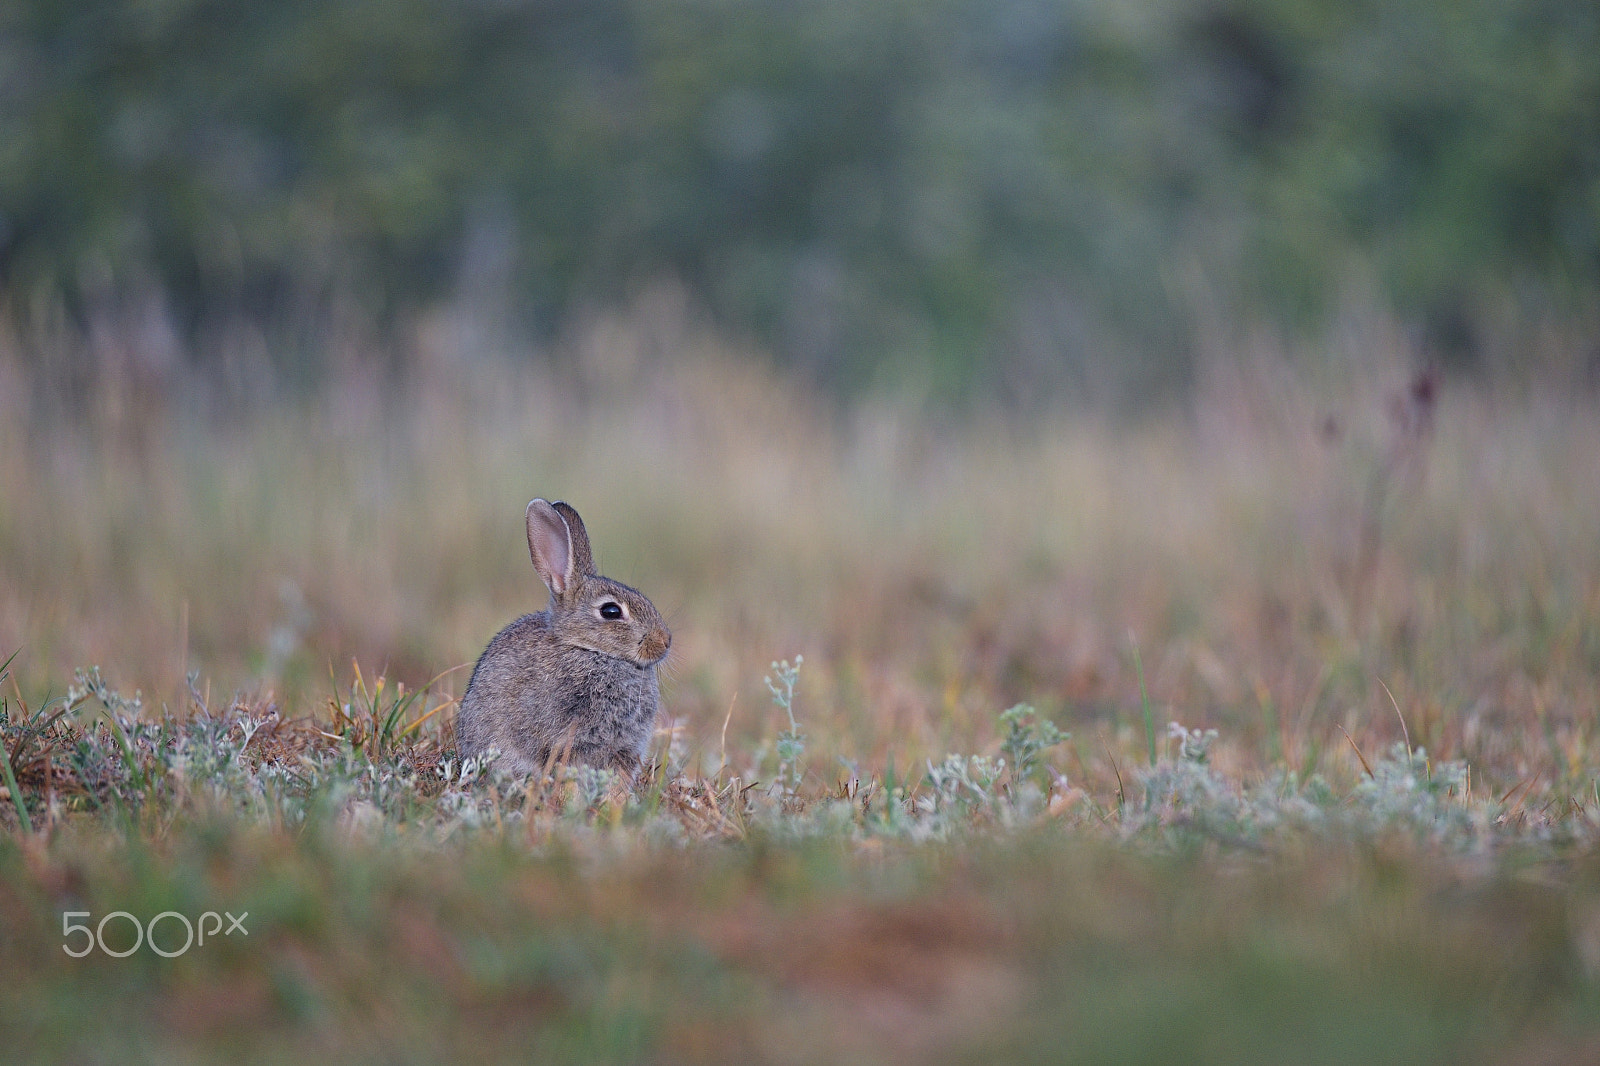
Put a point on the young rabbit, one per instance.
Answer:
(577, 679)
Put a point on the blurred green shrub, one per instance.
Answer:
(1011, 189)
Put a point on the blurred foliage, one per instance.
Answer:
(1008, 189)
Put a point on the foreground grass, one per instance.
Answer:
(1046, 945)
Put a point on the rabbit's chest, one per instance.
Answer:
(610, 703)
(627, 692)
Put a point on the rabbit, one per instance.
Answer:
(576, 680)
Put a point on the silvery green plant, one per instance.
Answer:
(1193, 745)
(89, 683)
(961, 784)
(1185, 796)
(1408, 791)
(1189, 795)
(590, 785)
(1027, 736)
(791, 744)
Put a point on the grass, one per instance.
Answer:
(1335, 801)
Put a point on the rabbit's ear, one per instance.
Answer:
(582, 556)
(550, 545)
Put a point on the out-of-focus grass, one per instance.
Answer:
(1043, 947)
(1283, 553)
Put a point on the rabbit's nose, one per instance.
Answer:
(654, 646)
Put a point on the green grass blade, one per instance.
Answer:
(11, 778)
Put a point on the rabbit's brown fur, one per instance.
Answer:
(570, 680)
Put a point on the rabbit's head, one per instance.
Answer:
(587, 610)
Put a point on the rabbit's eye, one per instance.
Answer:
(611, 610)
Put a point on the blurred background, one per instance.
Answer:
(951, 343)
(1034, 199)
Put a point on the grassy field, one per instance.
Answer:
(1001, 827)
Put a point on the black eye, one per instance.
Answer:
(610, 610)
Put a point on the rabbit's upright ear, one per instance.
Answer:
(550, 545)
(582, 555)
